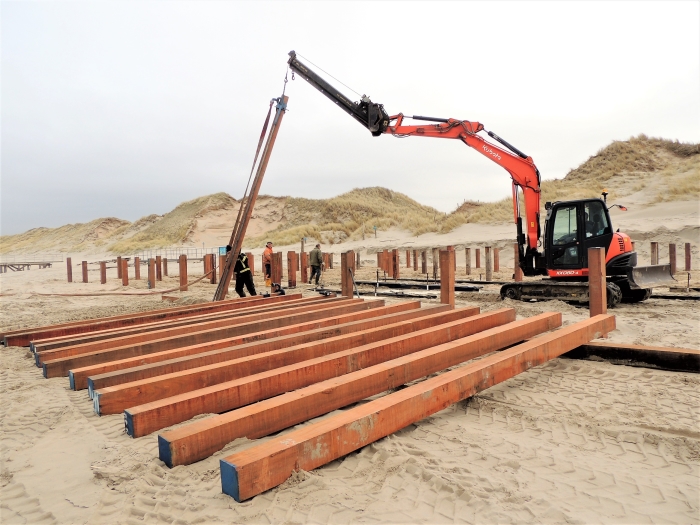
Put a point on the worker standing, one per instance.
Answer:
(316, 261)
(267, 263)
(244, 277)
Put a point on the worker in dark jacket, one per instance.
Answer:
(244, 277)
(315, 261)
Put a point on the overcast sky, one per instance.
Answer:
(129, 108)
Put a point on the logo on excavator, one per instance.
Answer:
(567, 272)
(491, 152)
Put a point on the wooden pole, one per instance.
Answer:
(395, 264)
(358, 261)
(137, 268)
(415, 260)
(183, 272)
(496, 261)
(85, 271)
(436, 262)
(165, 265)
(276, 270)
(346, 264)
(304, 267)
(468, 255)
(151, 273)
(238, 233)
(330, 260)
(654, 253)
(687, 257)
(159, 268)
(212, 267)
(69, 269)
(119, 267)
(597, 297)
(447, 277)
(125, 272)
(489, 271)
(517, 271)
(672, 257)
(292, 269)
(408, 259)
(478, 258)
(103, 272)
(424, 262)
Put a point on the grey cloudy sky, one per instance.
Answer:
(129, 108)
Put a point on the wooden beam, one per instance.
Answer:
(672, 257)
(159, 268)
(60, 367)
(119, 267)
(69, 273)
(478, 257)
(125, 272)
(137, 269)
(85, 271)
(447, 277)
(496, 260)
(144, 419)
(103, 272)
(151, 274)
(260, 306)
(654, 253)
(115, 399)
(23, 336)
(204, 437)
(468, 257)
(262, 467)
(237, 351)
(347, 260)
(304, 267)
(489, 264)
(182, 263)
(687, 257)
(79, 376)
(596, 281)
(172, 328)
(666, 358)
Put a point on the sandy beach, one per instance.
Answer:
(570, 441)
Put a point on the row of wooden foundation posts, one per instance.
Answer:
(387, 260)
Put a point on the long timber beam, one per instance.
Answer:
(171, 366)
(264, 466)
(79, 376)
(24, 336)
(60, 367)
(144, 419)
(153, 335)
(202, 438)
(115, 399)
(43, 345)
(676, 359)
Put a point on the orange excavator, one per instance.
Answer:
(571, 227)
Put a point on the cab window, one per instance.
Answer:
(596, 219)
(564, 226)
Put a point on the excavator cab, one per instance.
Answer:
(571, 228)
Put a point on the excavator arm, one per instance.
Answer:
(521, 167)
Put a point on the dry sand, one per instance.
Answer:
(566, 442)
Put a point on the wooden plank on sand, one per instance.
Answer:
(264, 466)
(144, 419)
(202, 438)
(60, 367)
(79, 376)
(127, 375)
(115, 399)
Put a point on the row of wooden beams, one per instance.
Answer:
(23, 337)
(159, 333)
(42, 345)
(264, 466)
(147, 418)
(79, 376)
(60, 367)
(115, 399)
(202, 438)
(127, 375)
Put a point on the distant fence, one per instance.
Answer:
(35, 258)
(174, 253)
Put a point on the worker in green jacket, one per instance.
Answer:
(244, 276)
(315, 261)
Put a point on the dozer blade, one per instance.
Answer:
(651, 276)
